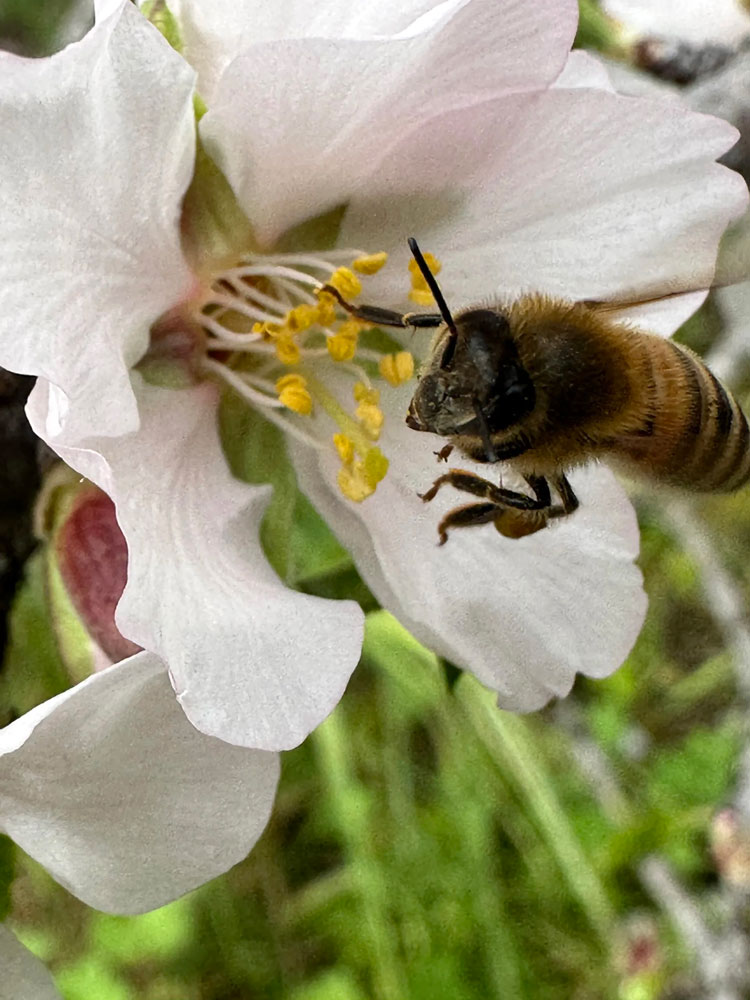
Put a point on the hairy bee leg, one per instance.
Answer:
(569, 500)
(383, 317)
(444, 453)
(465, 517)
(468, 482)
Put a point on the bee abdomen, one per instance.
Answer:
(695, 435)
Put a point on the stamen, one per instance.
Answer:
(420, 291)
(370, 263)
(293, 393)
(272, 311)
(344, 280)
(342, 346)
(397, 368)
(237, 382)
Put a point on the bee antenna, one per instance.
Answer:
(429, 277)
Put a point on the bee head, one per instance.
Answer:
(474, 382)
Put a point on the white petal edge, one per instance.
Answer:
(593, 195)
(524, 616)
(24, 976)
(97, 153)
(252, 662)
(214, 34)
(123, 801)
(319, 122)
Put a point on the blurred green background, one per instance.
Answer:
(424, 845)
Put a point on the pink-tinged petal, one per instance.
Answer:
(584, 70)
(121, 799)
(580, 193)
(24, 976)
(296, 125)
(252, 662)
(97, 151)
(92, 557)
(524, 616)
(214, 34)
(696, 21)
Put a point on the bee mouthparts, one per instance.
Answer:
(413, 422)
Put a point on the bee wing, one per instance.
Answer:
(732, 268)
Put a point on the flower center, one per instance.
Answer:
(276, 336)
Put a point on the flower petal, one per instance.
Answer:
(97, 152)
(252, 662)
(121, 799)
(524, 615)
(214, 34)
(23, 974)
(325, 110)
(586, 195)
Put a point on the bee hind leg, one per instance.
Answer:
(469, 482)
(513, 514)
(465, 517)
(569, 501)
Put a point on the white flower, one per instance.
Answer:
(121, 799)
(465, 123)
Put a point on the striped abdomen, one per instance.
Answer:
(693, 433)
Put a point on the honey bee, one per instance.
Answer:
(545, 385)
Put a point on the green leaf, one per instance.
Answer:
(34, 669)
(7, 872)
(256, 452)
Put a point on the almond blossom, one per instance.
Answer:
(340, 133)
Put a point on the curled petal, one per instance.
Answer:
(587, 195)
(214, 34)
(323, 109)
(97, 151)
(121, 799)
(252, 662)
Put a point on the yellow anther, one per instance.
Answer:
(293, 378)
(363, 394)
(358, 480)
(345, 447)
(351, 328)
(370, 263)
(344, 280)
(301, 317)
(293, 393)
(397, 368)
(342, 347)
(371, 417)
(422, 296)
(287, 349)
(433, 264)
(376, 466)
(267, 329)
(325, 311)
(353, 482)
